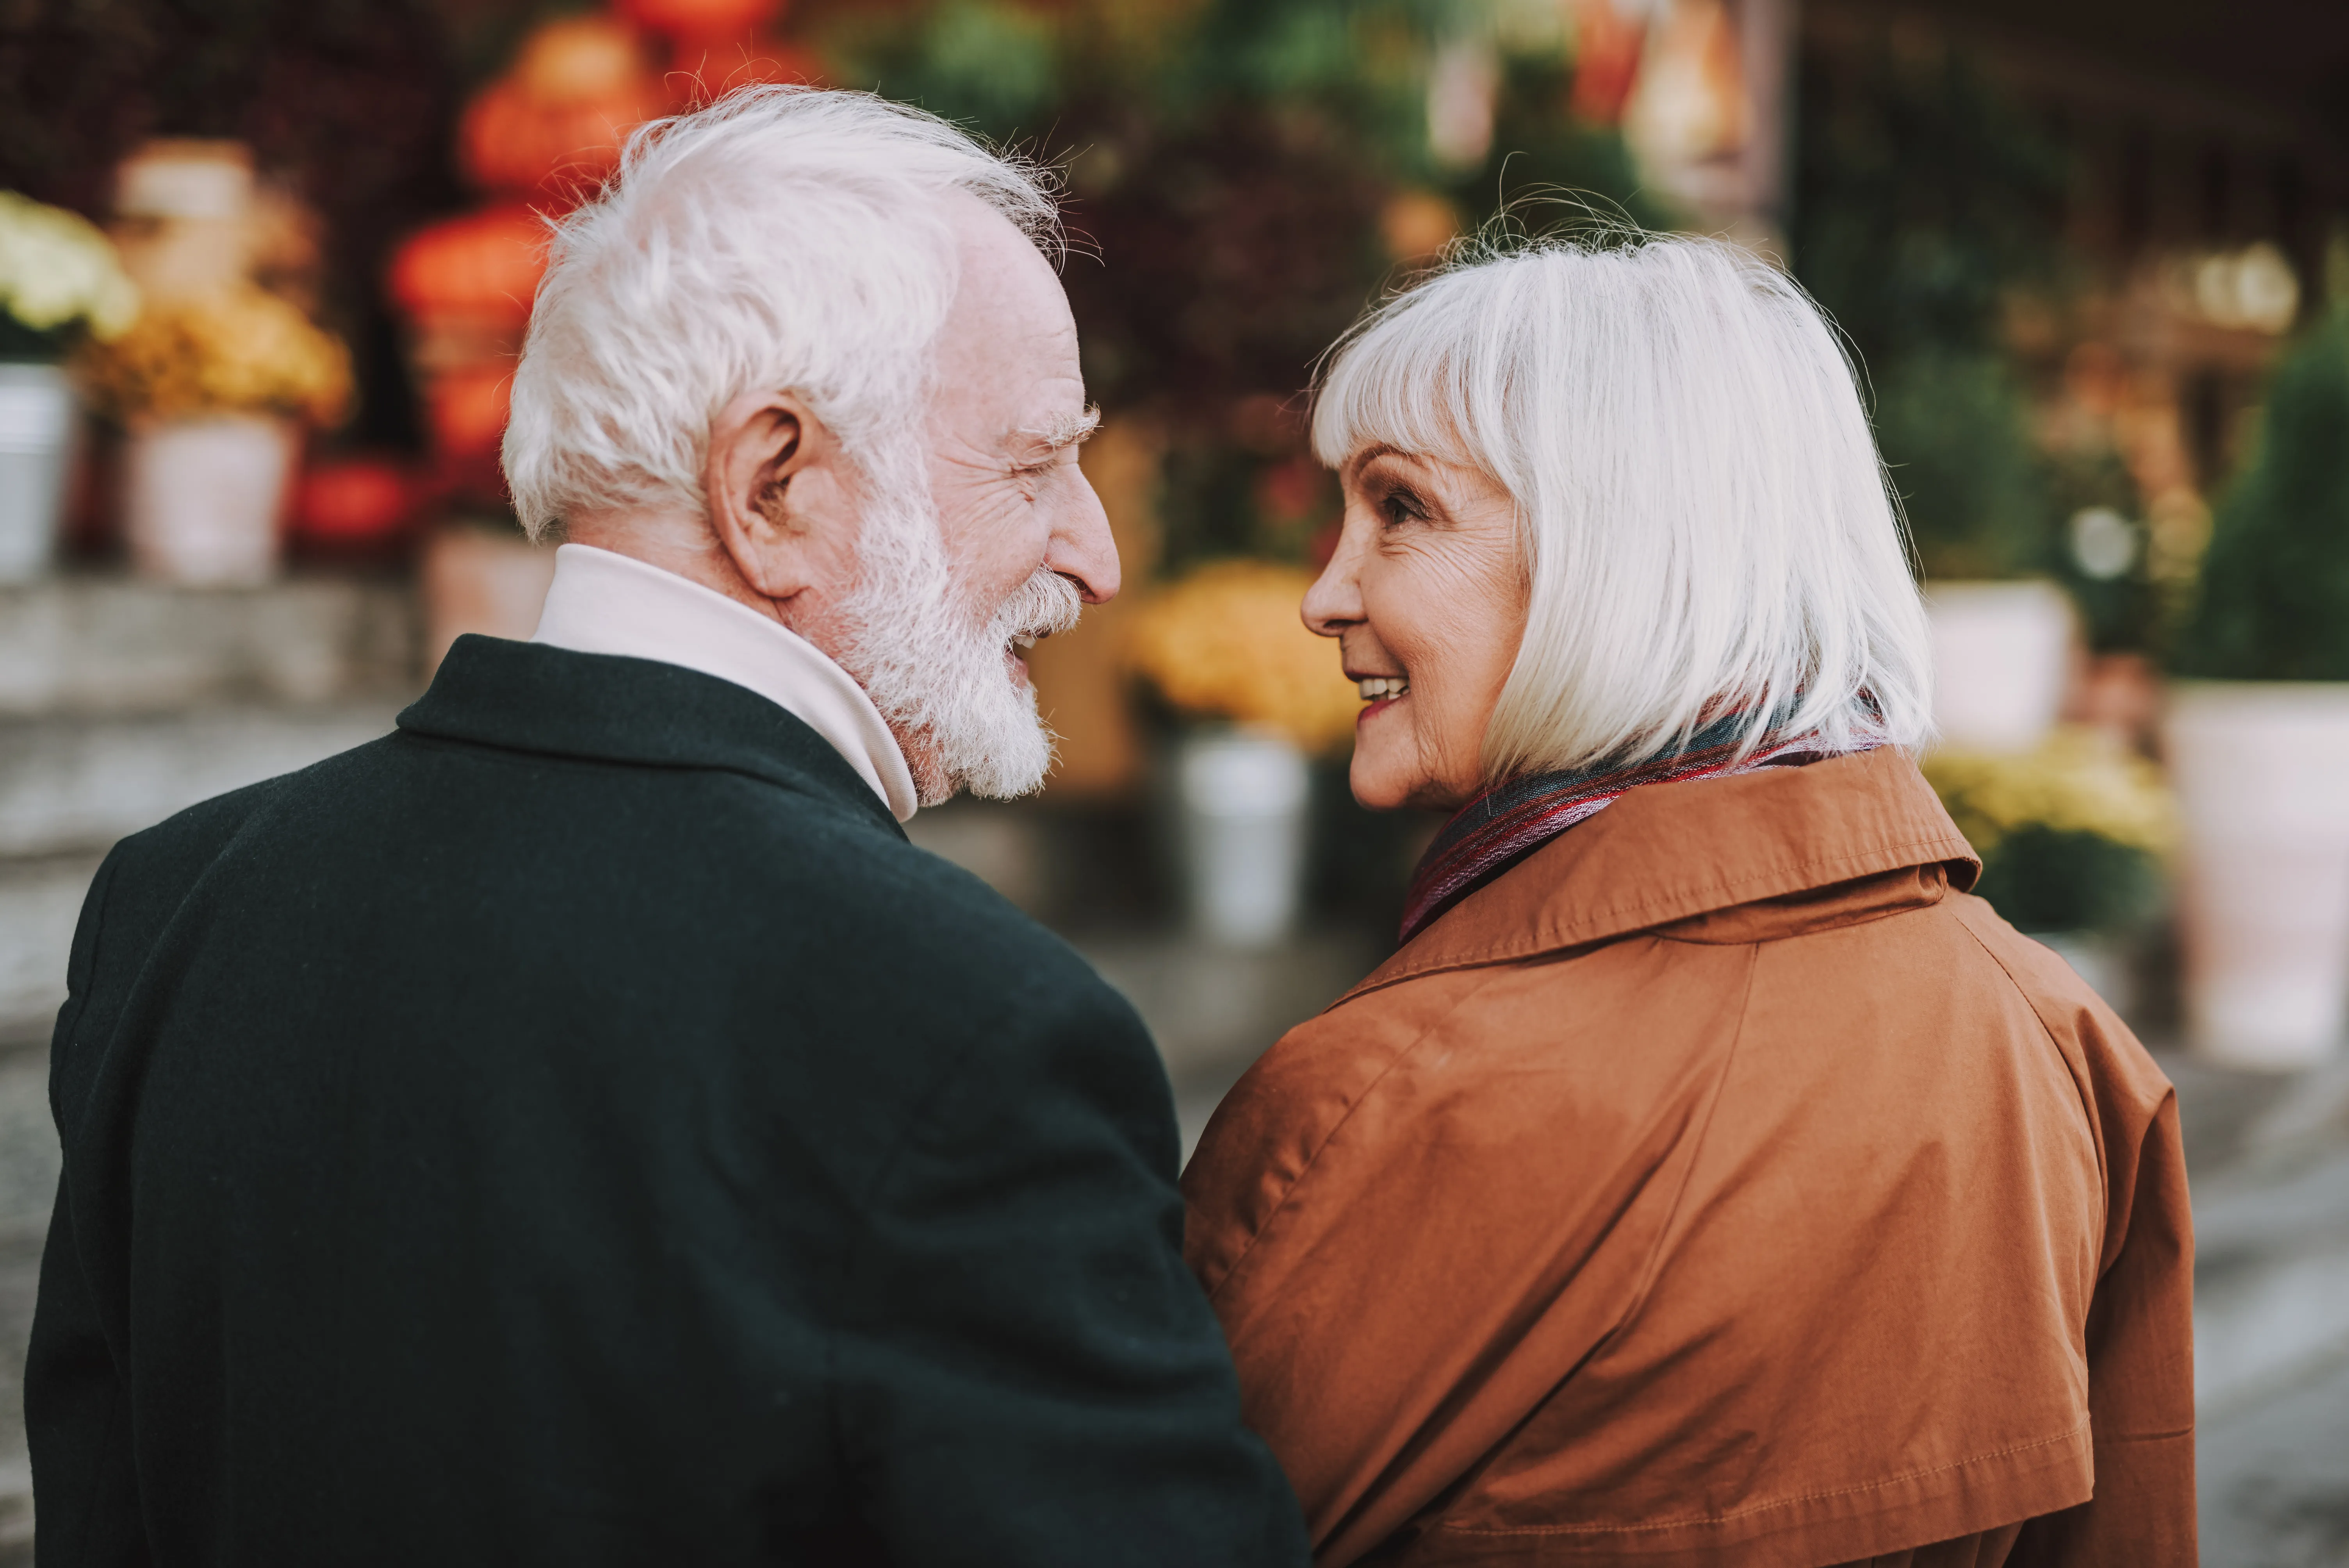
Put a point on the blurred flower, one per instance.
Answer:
(2078, 781)
(1226, 643)
(240, 352)
(58, 272)
(1417, 225)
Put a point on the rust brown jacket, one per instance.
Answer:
(1719, 1185)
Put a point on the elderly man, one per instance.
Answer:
(578, 1128)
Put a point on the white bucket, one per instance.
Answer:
(2262, 771)
(2002, 658)
(36, 432)
(489, 579)
(202, 499)
(1242, 804)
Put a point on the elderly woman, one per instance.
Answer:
(1708, 1179)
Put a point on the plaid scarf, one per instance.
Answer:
(1510, 821)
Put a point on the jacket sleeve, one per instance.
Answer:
(76, 1403)
(1028, 1373)
(2140, 1344)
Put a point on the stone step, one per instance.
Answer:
(108, 644)
(39, 902)
(69, 784)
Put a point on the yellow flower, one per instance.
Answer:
(244, 351)
(56, 271)
(1226, 643)
(2078, 780)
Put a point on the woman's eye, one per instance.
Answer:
(1400, 507)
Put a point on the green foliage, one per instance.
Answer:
(1228, 162)
(2275, 601)
(992, 66)
(1949, 421)
(2053, 879)
(2124, 612)
(1923, 199)
(1548, 169)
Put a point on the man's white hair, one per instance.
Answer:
(783, 237)
(1705, 523)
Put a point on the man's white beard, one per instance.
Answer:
(934, 662)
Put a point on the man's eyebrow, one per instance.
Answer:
(1068, 430)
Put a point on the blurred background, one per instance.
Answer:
(264, 265)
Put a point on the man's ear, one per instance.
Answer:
(779, 504)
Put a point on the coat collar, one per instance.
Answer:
(530, 697)
(605, 602)
(1670, 852)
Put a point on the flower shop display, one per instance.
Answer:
(212, 392)
(184, 217)
(2258, 736)
(2073, 835)
(2002, 659)
(59, 282)
(1225, 646)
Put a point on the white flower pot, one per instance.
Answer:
(491, 581)
(1241, 804)
(201, 497)
(2002, 658)
(2101, 964)
(2262, 772)
(36, 435)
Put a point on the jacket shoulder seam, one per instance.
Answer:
(1653, 1267)
(2079, 1086)
(1297, 1182)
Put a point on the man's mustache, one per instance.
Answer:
(1047, 602)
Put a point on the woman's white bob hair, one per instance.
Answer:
(782, 237)
(1706, 526)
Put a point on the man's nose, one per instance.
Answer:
(1082, 548)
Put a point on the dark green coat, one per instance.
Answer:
(578, 1128)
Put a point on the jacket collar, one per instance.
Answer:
(530, 697)
(1665, 854)
(605, 602)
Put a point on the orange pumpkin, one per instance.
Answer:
(702, 71)
(466, 410)
(483, 265)
(508, 143)
(704, 21)
(354, 501)
(556, 122)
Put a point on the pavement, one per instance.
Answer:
(2268, 1159)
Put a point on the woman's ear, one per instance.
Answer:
(780, 503)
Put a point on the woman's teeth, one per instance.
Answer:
(1376, 686)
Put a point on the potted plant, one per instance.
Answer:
(1225, 647)
(59, 282)
(2258, 733)
(213, 391)
(2073, 836)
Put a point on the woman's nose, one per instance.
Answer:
(1334, 600)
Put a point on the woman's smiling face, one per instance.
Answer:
(1426, 597)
